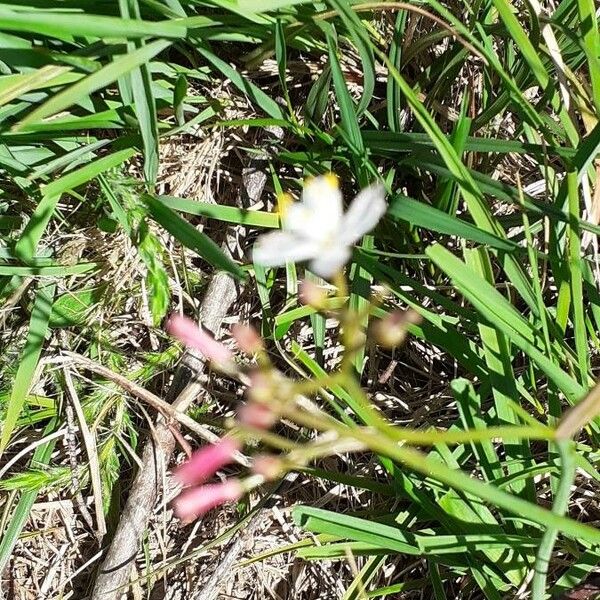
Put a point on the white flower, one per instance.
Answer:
(316, 228)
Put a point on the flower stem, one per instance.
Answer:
(559, 507)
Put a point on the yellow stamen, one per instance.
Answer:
(332, 180)
(284, 200)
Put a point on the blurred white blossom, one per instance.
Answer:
(316, 228)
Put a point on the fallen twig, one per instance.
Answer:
(169, 411)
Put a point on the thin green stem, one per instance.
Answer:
(559, 507)
(574, 261)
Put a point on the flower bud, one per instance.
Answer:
(261, 387)
(196, 502)
(312, 294)
(391, 330)
(186, 331)
(247, 338)
(257, 415)
(205, 462)
(268, 466)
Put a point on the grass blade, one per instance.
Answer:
(190, 237)
(100, 79)
(38, 327)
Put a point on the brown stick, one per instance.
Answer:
(170, 411)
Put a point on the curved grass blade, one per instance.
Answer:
(190, 237)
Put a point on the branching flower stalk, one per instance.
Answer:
(272, 396)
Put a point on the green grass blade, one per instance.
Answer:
(591, 39)
(38, 327)
(48, 270)
(576, 280)
(429, 217)
(190, 237)
(522, 41)
(228, 214)
(264, 101)
(10, 536)
(499, 312)
(393, 91)
(85, 174)
(66, 25)
(471, 193)
(355, 26)
(98, 80)
(27, 82)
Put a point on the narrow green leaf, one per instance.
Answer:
(346, 104)
(100, 79)
(85, 174)
(27, 82)
(383, 536)
(56, 270)
(190, 237)
(38, 327)
(522, 41)
(229, 214)
(179, 94)
(499, 312)
(264, 101)
(66, 25)
(429, 217)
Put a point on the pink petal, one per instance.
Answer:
(191, 335)
(205, 462)
(198, 501)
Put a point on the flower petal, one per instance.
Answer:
(247, 338)
(322, 199)
(311, 223)
(198, 501)
(279, 247)
(363, 214)
(207, 461)
(330, 260)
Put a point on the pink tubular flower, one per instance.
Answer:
(205, 462)
(191, 335)
(269, 467)
(198, 501)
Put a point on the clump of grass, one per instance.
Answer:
(480, 119)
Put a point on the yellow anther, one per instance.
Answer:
(332, 180)
(284, 200)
